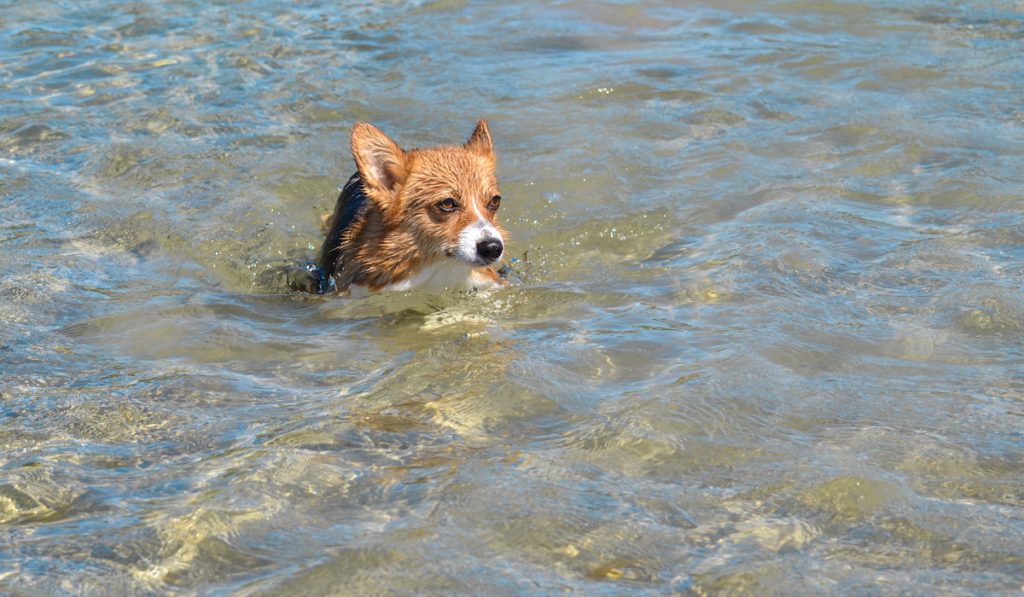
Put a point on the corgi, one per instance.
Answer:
(420, 219)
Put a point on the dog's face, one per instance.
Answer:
(444, 199)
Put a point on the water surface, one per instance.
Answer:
(766, 335)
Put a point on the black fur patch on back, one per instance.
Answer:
(350, 202)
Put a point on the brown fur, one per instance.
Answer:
(402, 229)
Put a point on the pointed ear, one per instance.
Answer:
(381, 162)
(480, 141)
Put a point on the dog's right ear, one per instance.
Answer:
(480, 141)
(381, 162)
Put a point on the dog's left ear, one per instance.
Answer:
(380, 161)
(480, 141)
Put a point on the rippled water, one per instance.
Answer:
(766, 335)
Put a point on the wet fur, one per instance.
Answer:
(397, 234)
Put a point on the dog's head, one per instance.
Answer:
(446, 198)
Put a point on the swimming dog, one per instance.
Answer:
(416, 219)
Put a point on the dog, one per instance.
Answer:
(420, 219)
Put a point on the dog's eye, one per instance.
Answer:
(448, 204)
(494, 203)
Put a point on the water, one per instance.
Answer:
(766, 334)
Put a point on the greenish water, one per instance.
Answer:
(766, 337)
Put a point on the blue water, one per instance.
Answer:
(765, 335)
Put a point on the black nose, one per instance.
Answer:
(489, 249)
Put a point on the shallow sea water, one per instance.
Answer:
(765, 336)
